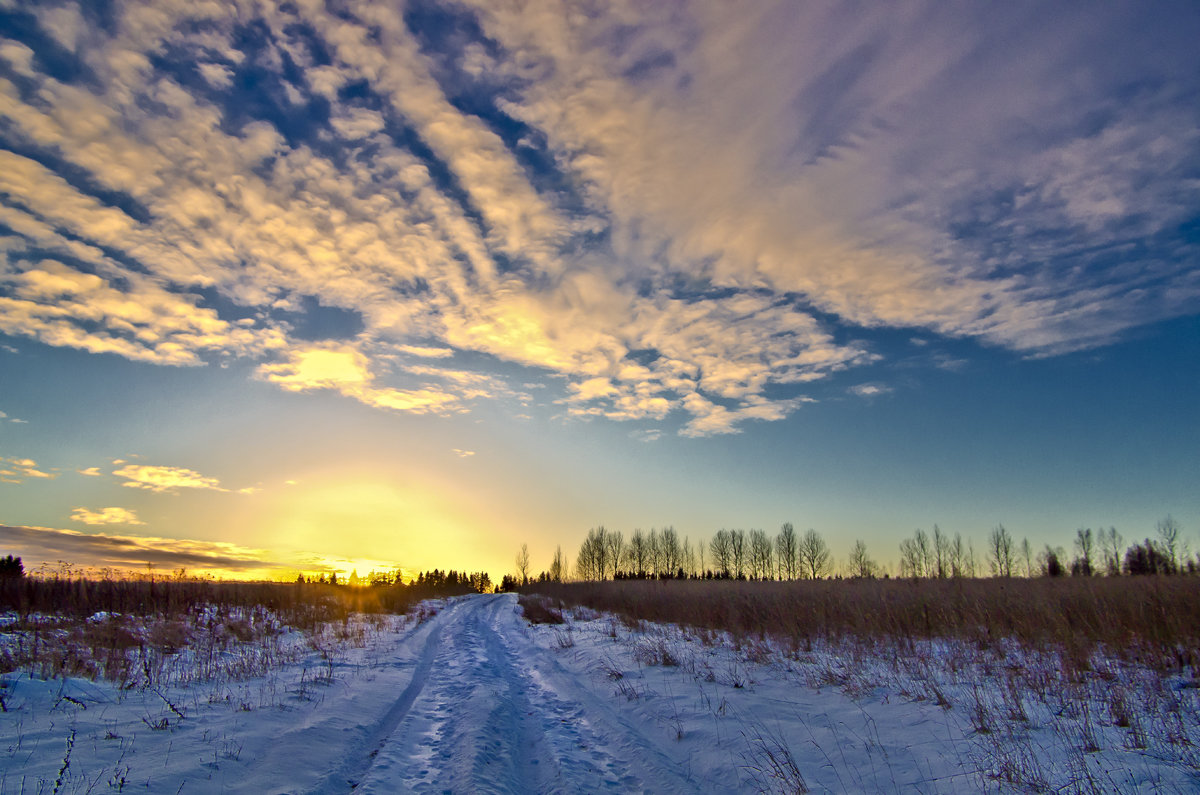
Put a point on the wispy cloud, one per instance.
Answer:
(105, 516)
(674, 211)
(17, 470)
(463, 453)
(91, 472)
(870, 390)
(165, 478)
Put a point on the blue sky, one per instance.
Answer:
(308, 287)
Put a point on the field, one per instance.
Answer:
(1071, 685)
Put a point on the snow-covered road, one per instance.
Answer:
(488, 710)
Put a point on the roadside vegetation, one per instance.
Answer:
(143, 631)
(1072, 672)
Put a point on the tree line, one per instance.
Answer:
(663, 553)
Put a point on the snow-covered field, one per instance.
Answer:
(474, 699)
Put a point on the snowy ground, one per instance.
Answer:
(476, 700)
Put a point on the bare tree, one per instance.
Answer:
(1111, 542)
(721, 548)
(523, 564)
(592, 562)
(785, 551)
(1000, 551)
(1027, 556)
(737, 546)
(1084, 544)
(958, 554)
(941, 554)
(558, 568)
(654, 547)
(688, 558)
(614, 547)
(1168, 531)
(914, 555)
(670, 554)
(639, 552)
(861, 564)
(761, 556)
(814, 555)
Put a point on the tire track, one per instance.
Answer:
(350, 774)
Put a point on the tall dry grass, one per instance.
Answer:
(142, 631)
(1155, 620)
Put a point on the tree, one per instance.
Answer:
(785, 551)
(557, 566)
(737, 547)
(1027, 556)
(958, 554)
(688, 558)
(941, 554)
(1000, 551)
(670, 556)
(592, 561)
(654, 545)
(913, 556)
(1168, 531)
(639, 552)
(523, 564)
(721, 549)
(761, 556)
(1084, 543)
(861, 564)
(1051, 562)
(1148, 558)
(11, 568)
(1111, 542)
(814, 555)
(614, 547)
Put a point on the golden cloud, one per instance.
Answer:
(165, 479)
(16, 470)
(105, 516)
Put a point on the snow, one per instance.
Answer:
(465, 696)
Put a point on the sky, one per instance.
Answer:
(313, 286)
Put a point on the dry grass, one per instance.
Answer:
(538, 610)
(1151, 620)
(143, 632)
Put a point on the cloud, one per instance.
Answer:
(90, 472)
(165, 479)
(869, 390)
(425, 351)
(345, 369)
(463, 453)
(17, 470)
(105, 516)
(101, 550)
(672, 211)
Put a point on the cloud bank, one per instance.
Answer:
(102, 550)
(673, 210)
